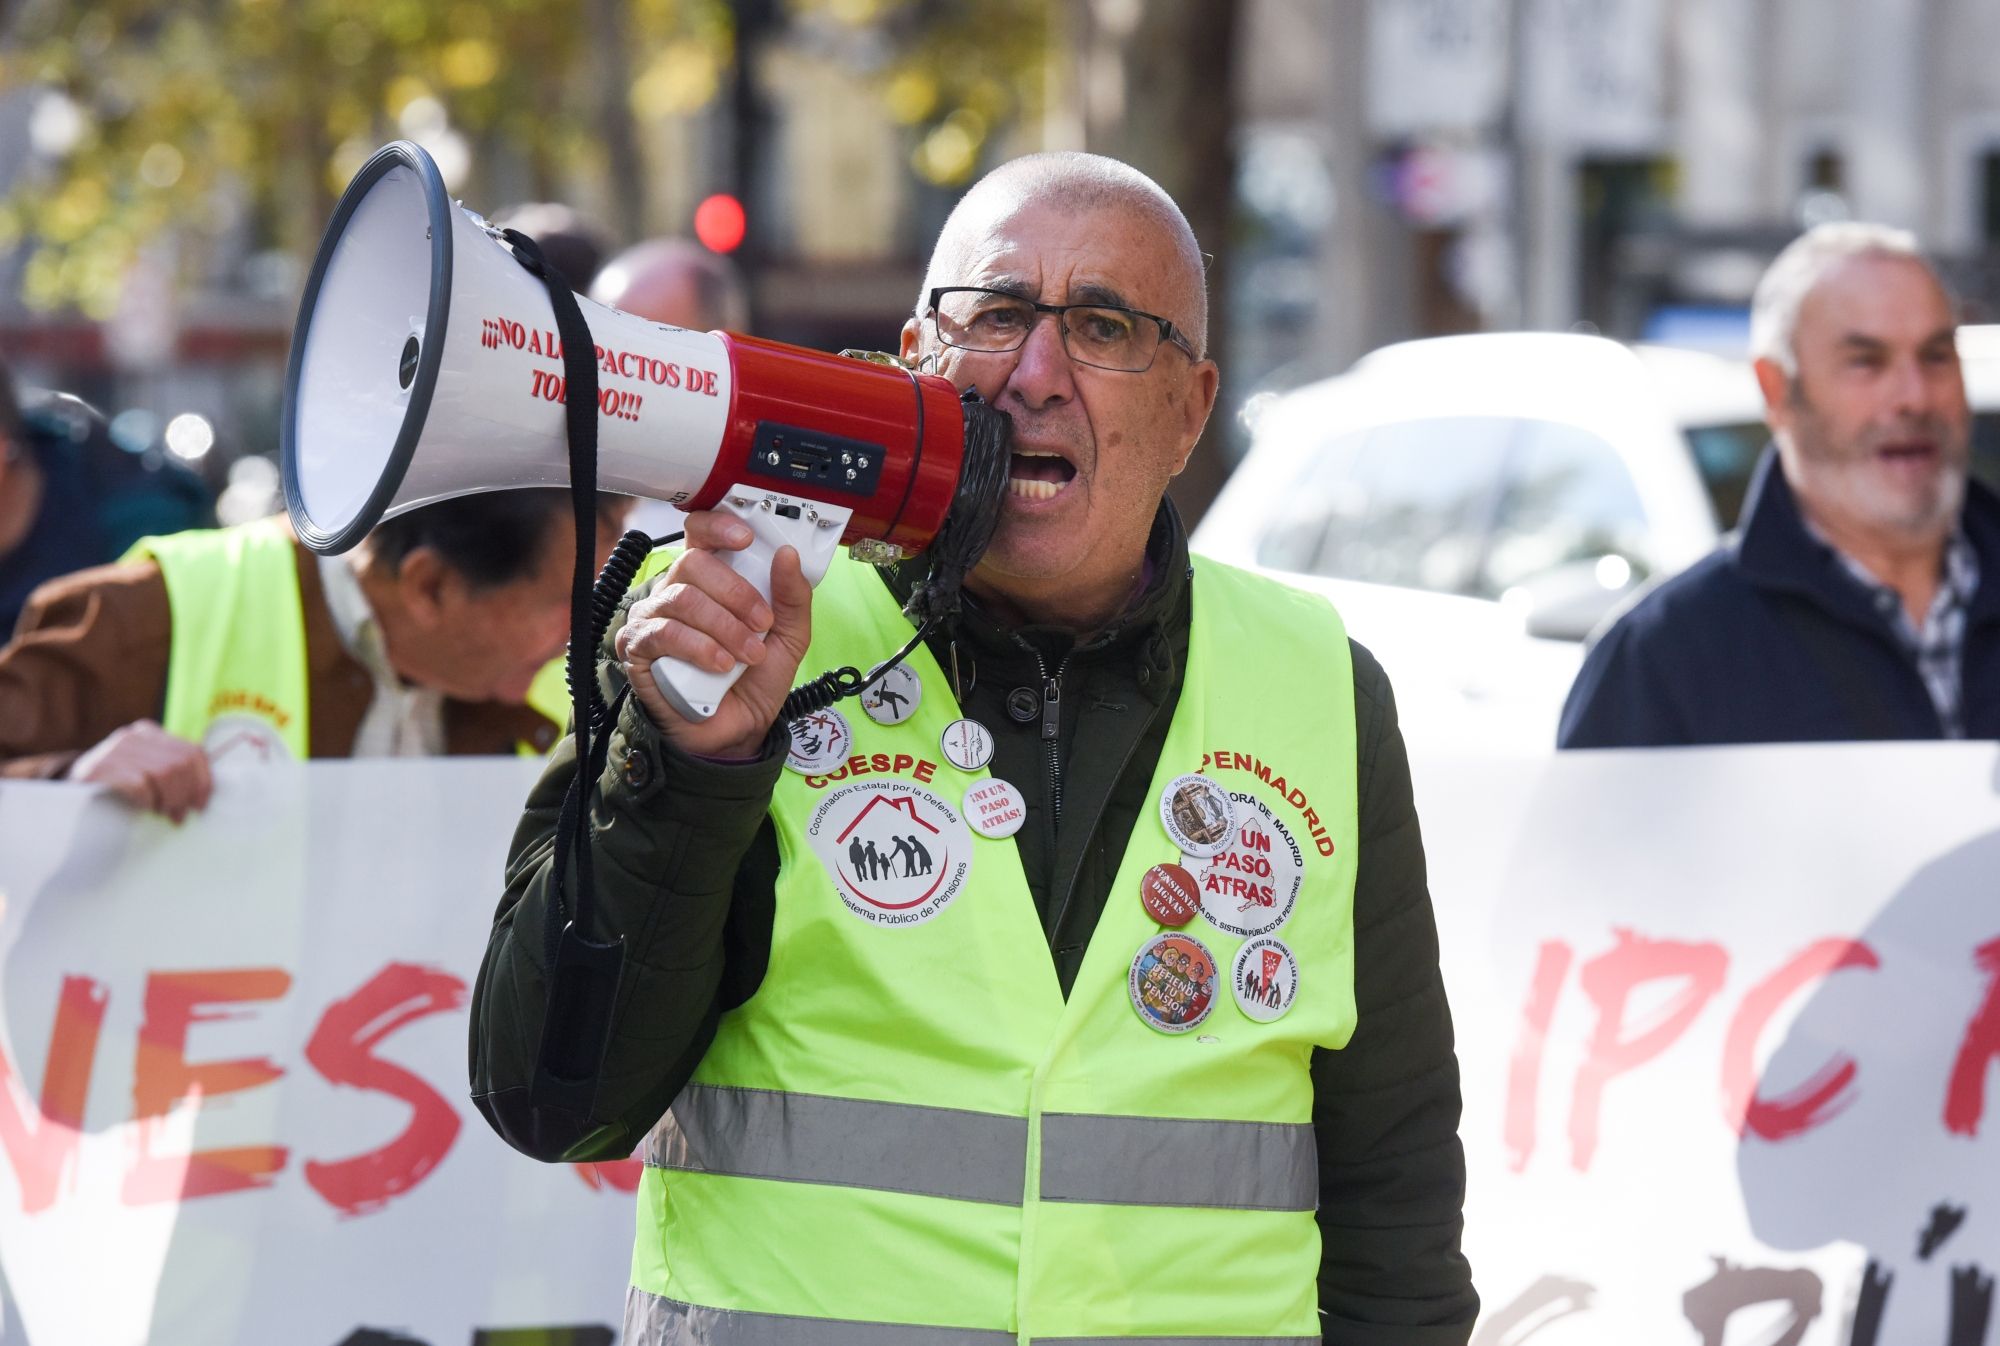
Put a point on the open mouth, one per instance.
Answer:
(1032, 475)
(1909, 455)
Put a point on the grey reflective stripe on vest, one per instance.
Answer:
(844, 1142)
(653, 1321)
(1164, 1161)
(981, 1156)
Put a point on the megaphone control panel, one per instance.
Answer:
(815, 460)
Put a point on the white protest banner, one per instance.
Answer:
(234, 1106)
(1729, 1024)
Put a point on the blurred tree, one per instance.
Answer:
(1151, 82)
(958, 74)
(1157, 88)
(184, 112)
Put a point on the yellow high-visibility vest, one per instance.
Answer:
(909, 1136)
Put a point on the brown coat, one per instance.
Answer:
(90, 655)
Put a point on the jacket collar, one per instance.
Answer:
(1775, 550)
(1152, 631)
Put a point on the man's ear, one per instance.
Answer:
(912, 351)
(1204, 382)
(425, 584)
(1776, 385)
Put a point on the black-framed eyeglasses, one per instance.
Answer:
(1103, 336)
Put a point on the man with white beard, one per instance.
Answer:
(1849, 604)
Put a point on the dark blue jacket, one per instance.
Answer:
(1770, 640)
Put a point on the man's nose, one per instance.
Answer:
(1910, 387)
(1043, 372)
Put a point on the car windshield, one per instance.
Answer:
(1472, 505)
(1986, 448)
(1726, 456)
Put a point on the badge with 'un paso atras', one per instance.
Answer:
(1251, 884)
(897, 853)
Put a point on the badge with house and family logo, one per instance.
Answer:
(897, 853)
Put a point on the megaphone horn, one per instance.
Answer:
(426, 364)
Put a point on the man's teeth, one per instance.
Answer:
(1032, 490)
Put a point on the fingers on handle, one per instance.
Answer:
(791, 595)
(713, 576)
(713, 531)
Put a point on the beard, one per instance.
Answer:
(1869, 477)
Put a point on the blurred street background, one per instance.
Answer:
(1364, 172)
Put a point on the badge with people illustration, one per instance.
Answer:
(1250, 885)
(1173, 982)
(1197, 814)
(897, 853)
(1265, 978)
(820, 742)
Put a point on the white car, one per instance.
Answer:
(1475, 505)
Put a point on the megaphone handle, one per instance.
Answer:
(776, 520)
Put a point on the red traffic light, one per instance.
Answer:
(719, 223)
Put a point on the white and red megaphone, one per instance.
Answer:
(426, 365)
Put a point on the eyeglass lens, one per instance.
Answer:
(1108, 337)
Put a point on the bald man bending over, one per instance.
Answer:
(1089, 993)
(682, 284)
(673, 281)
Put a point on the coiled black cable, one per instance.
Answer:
(968, 528)
(974, 514)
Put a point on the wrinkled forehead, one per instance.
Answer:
(1876, 295)
(1107, 254)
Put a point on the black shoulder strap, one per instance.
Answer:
(583, 972)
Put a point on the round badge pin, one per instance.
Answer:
(1250, 886)
(1173, 982)
(966, 744)
(1170, 895)
(994, 808)
(897, 854)
(894, 696)
(1198, 814)
(820, 742)
(1265, 978)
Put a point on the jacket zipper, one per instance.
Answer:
(1049, 695)
(1052, 733)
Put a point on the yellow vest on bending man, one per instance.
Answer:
(237, 665)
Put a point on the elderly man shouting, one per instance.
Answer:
(1142, 1037)
(1858, 599)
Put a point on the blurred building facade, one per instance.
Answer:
(1626, 164)
(1362, 170)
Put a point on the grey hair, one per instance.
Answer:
(1075, 181)
(1806, 260)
